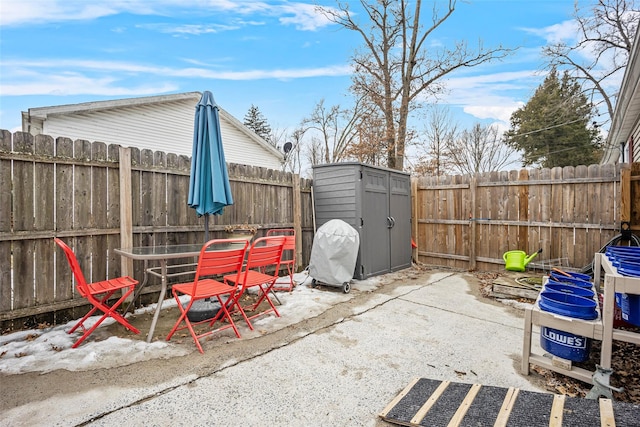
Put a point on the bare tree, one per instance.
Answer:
(293, 161)
(440, 131)
(394, 67)
(479, 150)
(333, 131)
(605, 34)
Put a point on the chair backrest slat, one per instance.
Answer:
(81, 283)
(289, 235)
(221, 256)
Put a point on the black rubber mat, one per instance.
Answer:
(434, 403)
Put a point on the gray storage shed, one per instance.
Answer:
(377, 203)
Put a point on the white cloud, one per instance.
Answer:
(29, 12)
(32, 77)
(502, 112)
(492, 96)
(566, 31)
(192, 29)
(305, 16)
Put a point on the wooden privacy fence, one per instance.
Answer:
(72, 190)
(570, 213)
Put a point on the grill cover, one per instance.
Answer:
(334, 253)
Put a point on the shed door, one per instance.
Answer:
(400, 211)
(374, 244)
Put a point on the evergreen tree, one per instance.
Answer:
(552, 129)
(255, 121)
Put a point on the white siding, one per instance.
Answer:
(636, 142)
(166, 126)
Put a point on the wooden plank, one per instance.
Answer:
(64, 217)
(414, 218)
(5, 221)
(514, 291)
(555, 215)
(473, 233)
(496, 242)
(177, 195)
(99, 211)
(507, 406)
(609, 212)
(81, 203)
(113, 209)
(513, 208)
(635, 195)
(580, 214)
(23, 220)
(297, 220)
(523, 208)
(158, 213)
(568, 203)
(44, 193)
(555, 417)
(607, 418)
(545, 214)
(593, 209)
(484, 233)
(464, 406)
(422, 412)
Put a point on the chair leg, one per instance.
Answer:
(80, 322)
(224, 307)
(108, 312)
(183, 318)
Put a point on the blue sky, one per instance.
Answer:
(278, 55)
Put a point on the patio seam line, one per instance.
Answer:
(267, 351)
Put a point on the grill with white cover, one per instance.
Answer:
(334, 254)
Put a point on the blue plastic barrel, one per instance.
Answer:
(560, 343)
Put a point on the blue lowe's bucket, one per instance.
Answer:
(577, 281)
(565, 345)
(560, 343)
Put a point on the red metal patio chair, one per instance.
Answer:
(288, 256)
(260, 271)
(98, 294)
(217, 258)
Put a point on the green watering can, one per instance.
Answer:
(518, 260)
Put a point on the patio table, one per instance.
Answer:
(160, 254)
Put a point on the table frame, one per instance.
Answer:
(161, 254)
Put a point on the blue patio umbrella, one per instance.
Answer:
(209, 189)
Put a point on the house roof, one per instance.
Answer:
(43, 112)
(627, 111)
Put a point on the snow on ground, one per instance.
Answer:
(48, 349)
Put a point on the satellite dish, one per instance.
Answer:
(287, 147)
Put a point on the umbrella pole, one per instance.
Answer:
(206, 228)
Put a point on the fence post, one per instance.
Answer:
(414, 219)
(473, 185)
(297, 219)
(126, 220)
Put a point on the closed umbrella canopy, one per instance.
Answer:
(209, 189)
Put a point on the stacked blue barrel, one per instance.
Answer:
(626, 259)
(572, 295)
